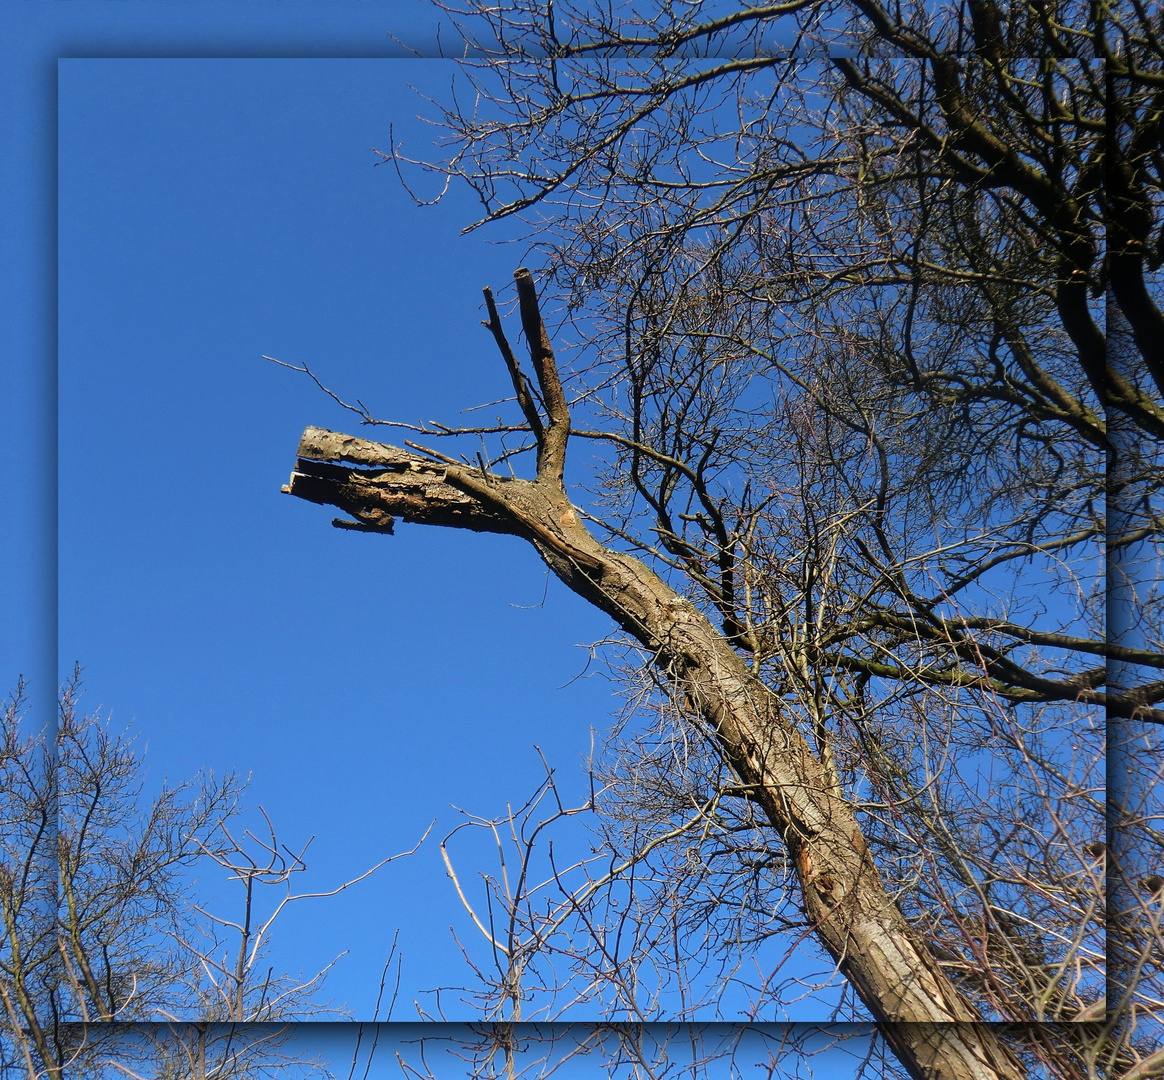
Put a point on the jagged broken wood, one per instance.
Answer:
(391, 483)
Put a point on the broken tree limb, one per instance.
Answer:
(845, 898)
(392, 483)
(935, 1031)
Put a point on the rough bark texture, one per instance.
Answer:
(933, 1029)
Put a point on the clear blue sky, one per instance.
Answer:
(215, 206)
(212, 211)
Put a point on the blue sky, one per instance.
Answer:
(218, 200)
(212, 211)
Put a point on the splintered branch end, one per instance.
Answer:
(378, 484)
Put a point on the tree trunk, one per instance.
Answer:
(935, 1032)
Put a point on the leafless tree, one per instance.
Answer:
(836, 272)
(101, 922)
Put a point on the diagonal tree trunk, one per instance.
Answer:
(935, 1032)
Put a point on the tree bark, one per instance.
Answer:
(933, 1029)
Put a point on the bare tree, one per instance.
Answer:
(864, 451)
(77, 834)
(101, 922)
